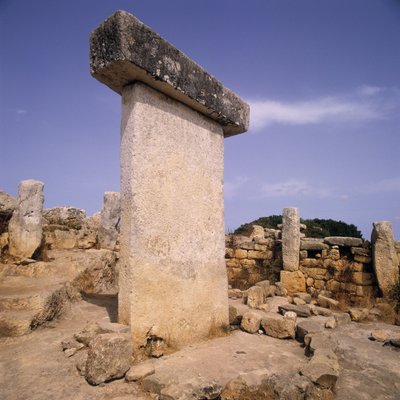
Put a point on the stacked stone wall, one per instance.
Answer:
(337, 267)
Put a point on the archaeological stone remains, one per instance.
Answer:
(175, 116)
(25, 226)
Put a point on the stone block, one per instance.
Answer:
(251, 322)
(109, 357)
(240, 253)
(313, 244)
(279, 327)
(343, 241)
(124, 50)
(255, 296)
(110, 217)
(293, 281)
(260, 255)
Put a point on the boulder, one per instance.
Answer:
(384, 256)
(251, 322)
(327, 302)
(109, 357)
(279, 327)
(110, 216)
(306, 297)
(290, 239)
(25, 226)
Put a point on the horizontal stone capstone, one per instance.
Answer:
(124, 50)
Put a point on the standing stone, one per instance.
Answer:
(384, 256)
(173, 282)
(25, 227)
(291, 239)
(110, 216)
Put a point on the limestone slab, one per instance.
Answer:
(173, 281)
(124, 50)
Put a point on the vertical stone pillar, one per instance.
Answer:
(110, 217)
(175, 116)
(25, 227)
(384, 256)
(290, 239)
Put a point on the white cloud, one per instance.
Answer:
(344, 197)
(293, 187)
(365, 104)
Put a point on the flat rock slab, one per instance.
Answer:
(301, 310)
(124, 50)
(220, 360)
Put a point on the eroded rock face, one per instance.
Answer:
(71, 217)
(384, 256)
(109, 357)
(7, 207)
(290, 239)
(25, 227)
(110, 216)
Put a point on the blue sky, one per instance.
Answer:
(322, 78)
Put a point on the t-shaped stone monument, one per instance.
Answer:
(173, 282)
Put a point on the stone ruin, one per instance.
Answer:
(159, 246)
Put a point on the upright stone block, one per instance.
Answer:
(384, 256)
(110, 217)
(173, 282)
(290, 239)
(25, 227)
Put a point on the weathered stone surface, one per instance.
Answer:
(257, 233)
(293, 281)
(124, 50)
(255, 296)
(172, 267)
(70, 217)
(313, 244)
(301, 310)
(110, 216)
(25, 226)
(290, 239)
(7, 206)
(306, 297)
(343, 241)
(140, 371)
(323, 369)
(308, 326)
(277, 326)
(385, 259)
(251, 322)
(109, 357)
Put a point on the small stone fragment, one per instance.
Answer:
(331, 323)
(379, 335)
(301, 310)
(359, 314)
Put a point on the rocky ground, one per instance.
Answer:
(33, 366)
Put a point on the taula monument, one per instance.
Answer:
(175, 116)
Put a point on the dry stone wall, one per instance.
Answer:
(336, 267)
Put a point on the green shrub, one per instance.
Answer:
(316, 228)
